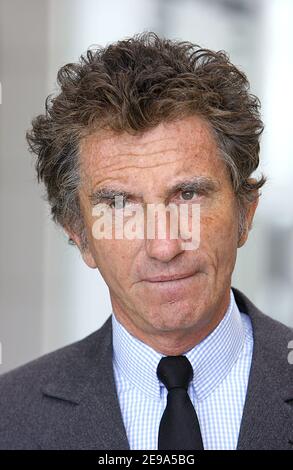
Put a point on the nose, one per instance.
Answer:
(163, 250)
(162, 241)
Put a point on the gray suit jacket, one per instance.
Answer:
(67, 399)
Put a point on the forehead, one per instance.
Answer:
(168, 149)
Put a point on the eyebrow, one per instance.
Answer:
(200, 184)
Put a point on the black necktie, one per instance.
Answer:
(179, 426)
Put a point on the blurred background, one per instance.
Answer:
(48, 296)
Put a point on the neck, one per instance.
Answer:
(175, 342)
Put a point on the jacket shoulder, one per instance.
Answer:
(47, 365)
(21, 390)
(272, 338)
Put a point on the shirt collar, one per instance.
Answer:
(211, 359)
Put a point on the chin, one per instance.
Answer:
(174, 316)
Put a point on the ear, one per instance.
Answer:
(85, 252)
(250, 209)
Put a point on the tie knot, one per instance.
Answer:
(175, 371)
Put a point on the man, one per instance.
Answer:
(184, 361)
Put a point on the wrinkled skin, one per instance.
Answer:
(170, 316)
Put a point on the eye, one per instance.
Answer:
(121, 203)
(118, 204)
(187, 195)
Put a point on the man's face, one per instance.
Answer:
(147, 167)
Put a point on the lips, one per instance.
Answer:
(166, 278)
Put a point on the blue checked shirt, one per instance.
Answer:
(221, 365)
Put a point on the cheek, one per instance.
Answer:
(219, 233)
(114, 259)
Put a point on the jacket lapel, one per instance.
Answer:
(267, 421)
(82, 400)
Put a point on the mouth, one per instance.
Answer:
(168, 278)
(171, 288)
